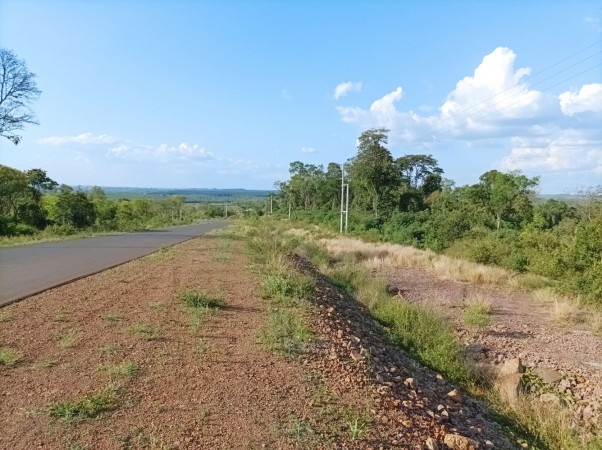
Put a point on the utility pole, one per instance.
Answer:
(289, 210)
(344, 200)
(226, 210)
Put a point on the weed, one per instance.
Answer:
(477, 313)
(195, 298)
(50, 362)
(299, 431)
(201, 347)
(112, 319)
(147, 332)
(288, 285)
(126, 368)
(358, 422)
(111, 348)
(62, 316)
(286, 332)
(5, 316)
(87, 407)
(9, 357)
(67, 339)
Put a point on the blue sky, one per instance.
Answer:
(227, 93)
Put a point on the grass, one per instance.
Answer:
(50, 363)
(286, 332)
(67, 339)
(287, 285)
(477, 313)
(196, 298)
(9, 357)
(88, 407)
(5, 316)
(126, 368)
(300, 432)
(147, 332)
(112, 319)
(62, 316)
(111, 349)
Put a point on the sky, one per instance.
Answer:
(226, 94)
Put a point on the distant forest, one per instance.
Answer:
(497, 221)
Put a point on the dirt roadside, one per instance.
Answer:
(176, 385)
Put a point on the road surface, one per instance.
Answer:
(30, 269)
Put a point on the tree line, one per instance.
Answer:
(31, 202)
(498, 220)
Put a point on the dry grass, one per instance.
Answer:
(383, 256)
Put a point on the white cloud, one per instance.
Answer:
(343, 89)
(570, 150)
(308, 150)
(588, 98)
(82, 139)
(164, 152)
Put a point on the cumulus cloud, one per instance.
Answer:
(345, 88)
(164, 152)
(588, 98)
(570, 150)
(308, 150)
(82, 139)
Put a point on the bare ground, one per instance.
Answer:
(215, 386)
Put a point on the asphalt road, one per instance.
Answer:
(30, 269)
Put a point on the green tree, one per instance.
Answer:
(420, 176)
(372, 172)
(73, 208)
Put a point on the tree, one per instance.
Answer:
(73, 208)
(372, 172)
(18, 90)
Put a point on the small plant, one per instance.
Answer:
(147, 332)
(67, 340)
(87, 407)
(112, 319)
(477, 314)
(112, 348)
(194, 298)
(126, 368)
(299, 431)
(358, 422)
(286, 332)
(201, 347)
(288, 285)
(9, 357)
(50, 362)
(62, 316)
(5, 316)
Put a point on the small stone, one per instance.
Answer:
(509, 386)
(340, 334)
(458, 442)
(513, 365)
(547, 374)
(356, 356)
(455, 396)
(431, 444)
(410, 383)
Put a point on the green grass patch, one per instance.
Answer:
(126, 368)
(147, 332)
(288, 285)
(9, 357)
(286, 332)
(110, 349)
(196, 298)
(477, 315)
(67, 339)
(112, 319)
(5, 316)
(87, 407)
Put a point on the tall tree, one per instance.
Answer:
(371, 171)
(18, 90)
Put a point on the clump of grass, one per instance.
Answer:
(87, 407)
(288, 284)
(147, 332)
(9, 357)
(201, 347)
(111, 348)
(358, 422)
(125, 368)
(195, 298)
(299, 431)
(5, 316)
(67, 339)
(62, 316)
(286, 332)
(112, 319)
(477, 313)
(50, 362)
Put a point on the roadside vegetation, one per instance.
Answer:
(431, 339)
(497, 222)
(35, 207)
